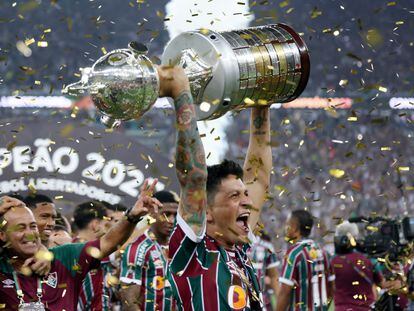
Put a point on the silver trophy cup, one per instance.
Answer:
(227, 71)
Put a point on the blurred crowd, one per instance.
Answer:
(334, 166)
(352, 42)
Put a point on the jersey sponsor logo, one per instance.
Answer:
(236, 297)
(51, 279)
(8, 283)
(141, 253)
(158, 282)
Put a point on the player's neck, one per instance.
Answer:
(17, 261)
(161, 239)
(216, 235)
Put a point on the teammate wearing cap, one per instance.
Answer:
(145, 262)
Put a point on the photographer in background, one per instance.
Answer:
(355, 275)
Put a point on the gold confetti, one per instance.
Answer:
(103, 50)
(352, 119)
(29, 41)
(248, 101)
(93, 252)
(343, 82)
(374, 37)
(382, 89)
(26, 271)
(403, 168)
(112, 280)
(151, 220)
(44, 255)
(337, 173)
(42, 44)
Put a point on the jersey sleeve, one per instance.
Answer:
(133, 262)
(271, 260)
(288, 275)
(329, 267)
(189, 253)
(78, 258)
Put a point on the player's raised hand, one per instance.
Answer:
(145, 203)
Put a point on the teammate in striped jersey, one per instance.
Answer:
(209, 268)
(306, 281)
(145, 262)
(90, 224)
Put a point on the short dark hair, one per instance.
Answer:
(165, 196)
(32, 199)
(86, 212)
(61, 223)
(305, 221)
(117, 207)
(216, 173)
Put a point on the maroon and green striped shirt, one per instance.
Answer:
(307, 269)
(61, 287)
(144, 264)
(205, 276)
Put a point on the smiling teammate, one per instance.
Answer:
(44, 211)
(70, 263)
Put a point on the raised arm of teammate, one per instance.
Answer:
(258, 162)
(190, 158)
(121, 231)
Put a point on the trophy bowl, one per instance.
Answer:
(229, 70)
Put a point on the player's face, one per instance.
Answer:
(20, 232)
(165, 219)
(45, 215)
(231, 211)
(291, 229)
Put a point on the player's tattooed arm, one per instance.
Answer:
(258, 163)
(190, 164)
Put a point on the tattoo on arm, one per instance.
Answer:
(190, 163)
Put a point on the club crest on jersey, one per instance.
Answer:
(237, 297)
(8, 283)
(51, 279)
(155, 254)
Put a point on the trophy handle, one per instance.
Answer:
(76, 89)
(198, 72)
(82, 86)
(138, 47)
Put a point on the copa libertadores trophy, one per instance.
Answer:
(228, 70)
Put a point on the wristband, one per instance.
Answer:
(132, 219)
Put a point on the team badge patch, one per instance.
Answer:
(236, 297)
(8, 283)
(51, 279)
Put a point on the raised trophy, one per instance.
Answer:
(228, 70)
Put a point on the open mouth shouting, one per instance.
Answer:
(242, 222)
